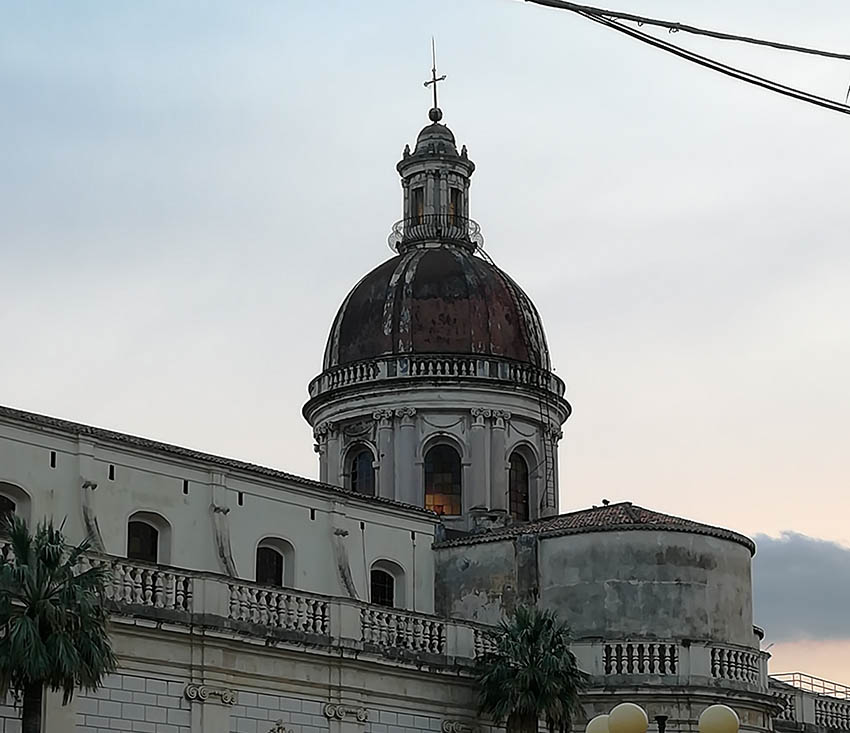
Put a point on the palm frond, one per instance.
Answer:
(530, 674)
(53, 622)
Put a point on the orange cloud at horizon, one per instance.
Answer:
(826, 659)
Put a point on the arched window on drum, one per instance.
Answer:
(360, 470)
(518, 494)
(443, 490)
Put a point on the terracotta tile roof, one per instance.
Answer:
(33, 419)
(623, 516)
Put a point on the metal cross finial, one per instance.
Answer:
(434, 78)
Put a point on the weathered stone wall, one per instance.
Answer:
(636, 584)
(649, 584)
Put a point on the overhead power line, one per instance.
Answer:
(674, 27)
(599, 16)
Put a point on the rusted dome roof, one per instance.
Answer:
(437, 300)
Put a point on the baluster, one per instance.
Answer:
(301, 611)
(281, 610)
(607, 665)
(366, 626)
(630, 658)
(262, 607)
(138, 589)
(234, 601)
(181, 600)
(147, 586)
(157, 591)
(641, 659)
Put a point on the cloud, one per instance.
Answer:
(801, 588)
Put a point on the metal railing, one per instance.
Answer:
(443, 227)
(816, 685)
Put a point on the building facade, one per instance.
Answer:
(249, 600)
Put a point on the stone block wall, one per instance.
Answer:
(10, 716)
(128, 702)
(259, 713)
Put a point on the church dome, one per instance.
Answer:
(437, 300)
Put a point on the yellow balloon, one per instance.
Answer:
(598, 725)
(628, 718)
(719, 719)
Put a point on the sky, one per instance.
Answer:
(188, 191)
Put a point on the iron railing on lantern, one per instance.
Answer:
(435, 228)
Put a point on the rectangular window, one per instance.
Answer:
(417, 205)
(53, 459)
(240, 498)
(111, 473)
(185, 486)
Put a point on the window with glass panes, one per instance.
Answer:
(382, 588)
(518, 488)
(443, 480)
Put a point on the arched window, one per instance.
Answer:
(387, 584)
(361, 473)
(442, 480)
(14, 500)
(518, 488)
(7, 506)
(382, 588)
(269, 566)
(275, 562)
(149, 538)
(142, 541)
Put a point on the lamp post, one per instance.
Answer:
(630, 718)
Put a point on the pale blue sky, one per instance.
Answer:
(188, 191)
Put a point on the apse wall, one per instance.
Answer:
(649, 584)
(638, 584)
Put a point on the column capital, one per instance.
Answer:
(406, 414)
(500, 418)
(384, 418)
(480, 415)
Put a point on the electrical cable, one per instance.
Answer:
(714, 65)
(674, 27)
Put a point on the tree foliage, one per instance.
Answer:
(530, 674)
(53, 622)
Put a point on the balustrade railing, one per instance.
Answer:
(735, 664)
(411, 632)
(278, 609)
(425, 366)
(832, 714)
(640, 658)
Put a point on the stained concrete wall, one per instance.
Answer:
(618, 585)
(649, 584)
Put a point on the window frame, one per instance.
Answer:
(456, 492)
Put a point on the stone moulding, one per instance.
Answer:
(334, 711)
(202, 693)
(458, 726)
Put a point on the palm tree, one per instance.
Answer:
(53, 622)
(530, 673)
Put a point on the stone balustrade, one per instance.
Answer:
(424, 366)
(810, 708)
(204, 599)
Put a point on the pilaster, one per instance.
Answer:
(498, 461)
(478, 438)
(407, 487)
(386, 453)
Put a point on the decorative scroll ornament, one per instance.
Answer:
(457, 726)
(500, 417)
(480, 414)
(406, 414)
(323, 430)
(384, 418)
(341, 712)
(553, 432)
(202, 693)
